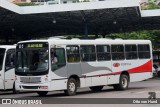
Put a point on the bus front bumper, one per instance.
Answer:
(32, 87)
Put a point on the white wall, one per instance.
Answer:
(10, 6)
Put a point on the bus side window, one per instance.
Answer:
(73, 53)
(131, 52)
(103, 52)
(88, 53)
(117, 52)
(144, 51)
(10, 59)
(53, 56)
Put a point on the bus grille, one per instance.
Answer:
(30, 87)
(30, 79)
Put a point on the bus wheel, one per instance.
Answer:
(14, 89)
(96, 88)
(71, 87)
(42, 93)
(123, 83)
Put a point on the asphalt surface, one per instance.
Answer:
(135, 90)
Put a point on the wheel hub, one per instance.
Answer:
(72, 87)
(124, 82)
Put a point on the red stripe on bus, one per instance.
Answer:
(147, 67)
(113, 73)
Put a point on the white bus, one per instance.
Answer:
(60, 64)
(7, 67)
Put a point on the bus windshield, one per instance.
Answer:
(32, 61)
(2, 52)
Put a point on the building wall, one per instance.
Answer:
(143, 1)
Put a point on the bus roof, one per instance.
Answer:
(96, 41)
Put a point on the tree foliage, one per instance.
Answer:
(153, 35)
(26, 4)
(150, 5)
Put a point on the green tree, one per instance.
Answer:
(152, 35)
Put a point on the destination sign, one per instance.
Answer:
(32, 45)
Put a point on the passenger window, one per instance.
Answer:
(73, 54)
(10, 59)
(144, 51)
(57, 58)
(88, 53)
(117, 52)
(103, 52)
(131, 52)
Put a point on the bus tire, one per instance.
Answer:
(14, 89)
(96, 88)
(123, 83)
(42, 93)
(71, 87)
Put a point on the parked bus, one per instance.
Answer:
(7, 67)
(60, 64)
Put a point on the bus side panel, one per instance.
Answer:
(1, 84)
(58, 74)
(96, 72)
(88, 81)
(103, 69)
(9, 78)
(74, 69)
(141, 76)
(99, 80)
(58, 85)
(113, 79)
(82, 82)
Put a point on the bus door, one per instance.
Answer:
(9, 75)
(58, 62)
(2, 58)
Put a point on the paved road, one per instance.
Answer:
(136, 90)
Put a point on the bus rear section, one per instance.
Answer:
(7, 67)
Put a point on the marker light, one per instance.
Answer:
(43, 87)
